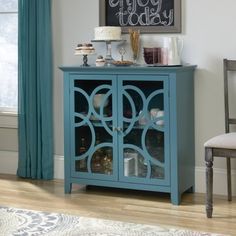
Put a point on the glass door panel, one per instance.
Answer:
(144, 135)
(93, 121)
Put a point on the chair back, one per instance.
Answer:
(229, 65)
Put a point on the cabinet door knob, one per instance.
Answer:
(119, 129)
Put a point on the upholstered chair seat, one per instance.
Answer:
(227, 141)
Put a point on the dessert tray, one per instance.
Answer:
(122, 63)
(161, 65)
(109, 40)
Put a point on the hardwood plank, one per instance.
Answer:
(119, 204)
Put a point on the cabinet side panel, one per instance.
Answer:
(185, 129)
(67, 125)
(175, 193)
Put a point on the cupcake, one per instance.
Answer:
(100, 61)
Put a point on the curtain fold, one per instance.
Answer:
(35, 127)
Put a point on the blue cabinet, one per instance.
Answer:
(130, 127)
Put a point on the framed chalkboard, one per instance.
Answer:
(149, 16)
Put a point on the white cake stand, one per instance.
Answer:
(108, 57)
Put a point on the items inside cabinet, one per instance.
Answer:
(92, 99)
(142, 101)
(93, 153)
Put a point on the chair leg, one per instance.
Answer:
(209, 182)
(229, 179)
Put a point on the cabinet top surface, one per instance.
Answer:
(119, 69)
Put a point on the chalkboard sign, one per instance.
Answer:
(150, 16)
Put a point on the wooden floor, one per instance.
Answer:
(116, 204)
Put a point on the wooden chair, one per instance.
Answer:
(221, 146)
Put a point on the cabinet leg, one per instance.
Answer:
(191, 189)
(175, 198)
(68, 187)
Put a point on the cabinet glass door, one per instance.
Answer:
(144, 129)
(92, 114)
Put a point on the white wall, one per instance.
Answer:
(209, 36)
(71, 24)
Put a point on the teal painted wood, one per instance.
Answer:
(179, 127)
(127, 69)
(182, 134)
(119, 184)
(67, 139)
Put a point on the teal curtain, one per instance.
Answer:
(35, 90)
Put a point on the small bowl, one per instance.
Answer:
(100, 63)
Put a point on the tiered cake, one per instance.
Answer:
(107, 33)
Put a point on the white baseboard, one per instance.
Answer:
(219, 183)
(58, 167)
(8, 165)
(8, 162)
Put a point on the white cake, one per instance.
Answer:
(107, 33)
